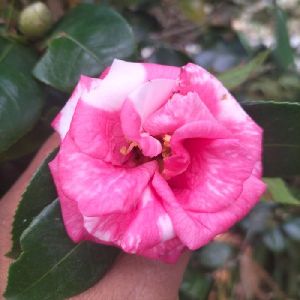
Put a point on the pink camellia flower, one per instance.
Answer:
(155, 159)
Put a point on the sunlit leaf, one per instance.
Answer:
(283, 51)
(280, 192)
(238, 75)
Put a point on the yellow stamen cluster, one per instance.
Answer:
(124, 150)
(166, 150)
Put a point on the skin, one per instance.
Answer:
(131, 277)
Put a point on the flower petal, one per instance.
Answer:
(98, 133)
(150, 226)
(168, 251)
(196, 228)
(151, 95)
(122, 78)
(178, 111)
(98, 187)
(62, 121)
(155, 71)
(223, 106)
(140, 104)
(211, 91)
(215, 176)
(72, 217)
(128, 230)
(179, 160)
(131, 126)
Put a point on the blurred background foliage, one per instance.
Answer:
(252, 46)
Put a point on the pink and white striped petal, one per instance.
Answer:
(180, 157)
(215, 176)
(128, 230)
(98, 133)
(62, 121)
(72, 217)
(197, 228)
(152, 95)
(168, 251)
(131, 127)
(223, 106)
(122, 78)
(176, 112)
(98, 187)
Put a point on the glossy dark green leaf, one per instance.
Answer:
(51, 265)
(235, 77)
(215, 255)
(87, 39)
(274, 240)
(280, 121)
(39, 193)
(292, 229)
(21, 99)
(280, 191)
(283, 51)
(14, 55)
(28, 143)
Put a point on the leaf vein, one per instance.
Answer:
(49, 271)
(69, 37)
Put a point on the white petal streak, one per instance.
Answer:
(165, 227)
(151, 95)
(122, 79)
(91, 224)
(66, 114)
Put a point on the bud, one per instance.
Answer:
(35, 20)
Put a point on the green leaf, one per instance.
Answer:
(280, 121)
(28, 143)
(16, 56)
(21, 99)
(87, 39)
(280, 192)
(39, 193)
(283, 51)
(238, 75)
(51, 265)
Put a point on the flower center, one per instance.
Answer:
(124, 150)
(138, 157)
(166, 149)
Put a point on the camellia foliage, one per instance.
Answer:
(44, 49)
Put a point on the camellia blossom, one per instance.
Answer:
(155, 159)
